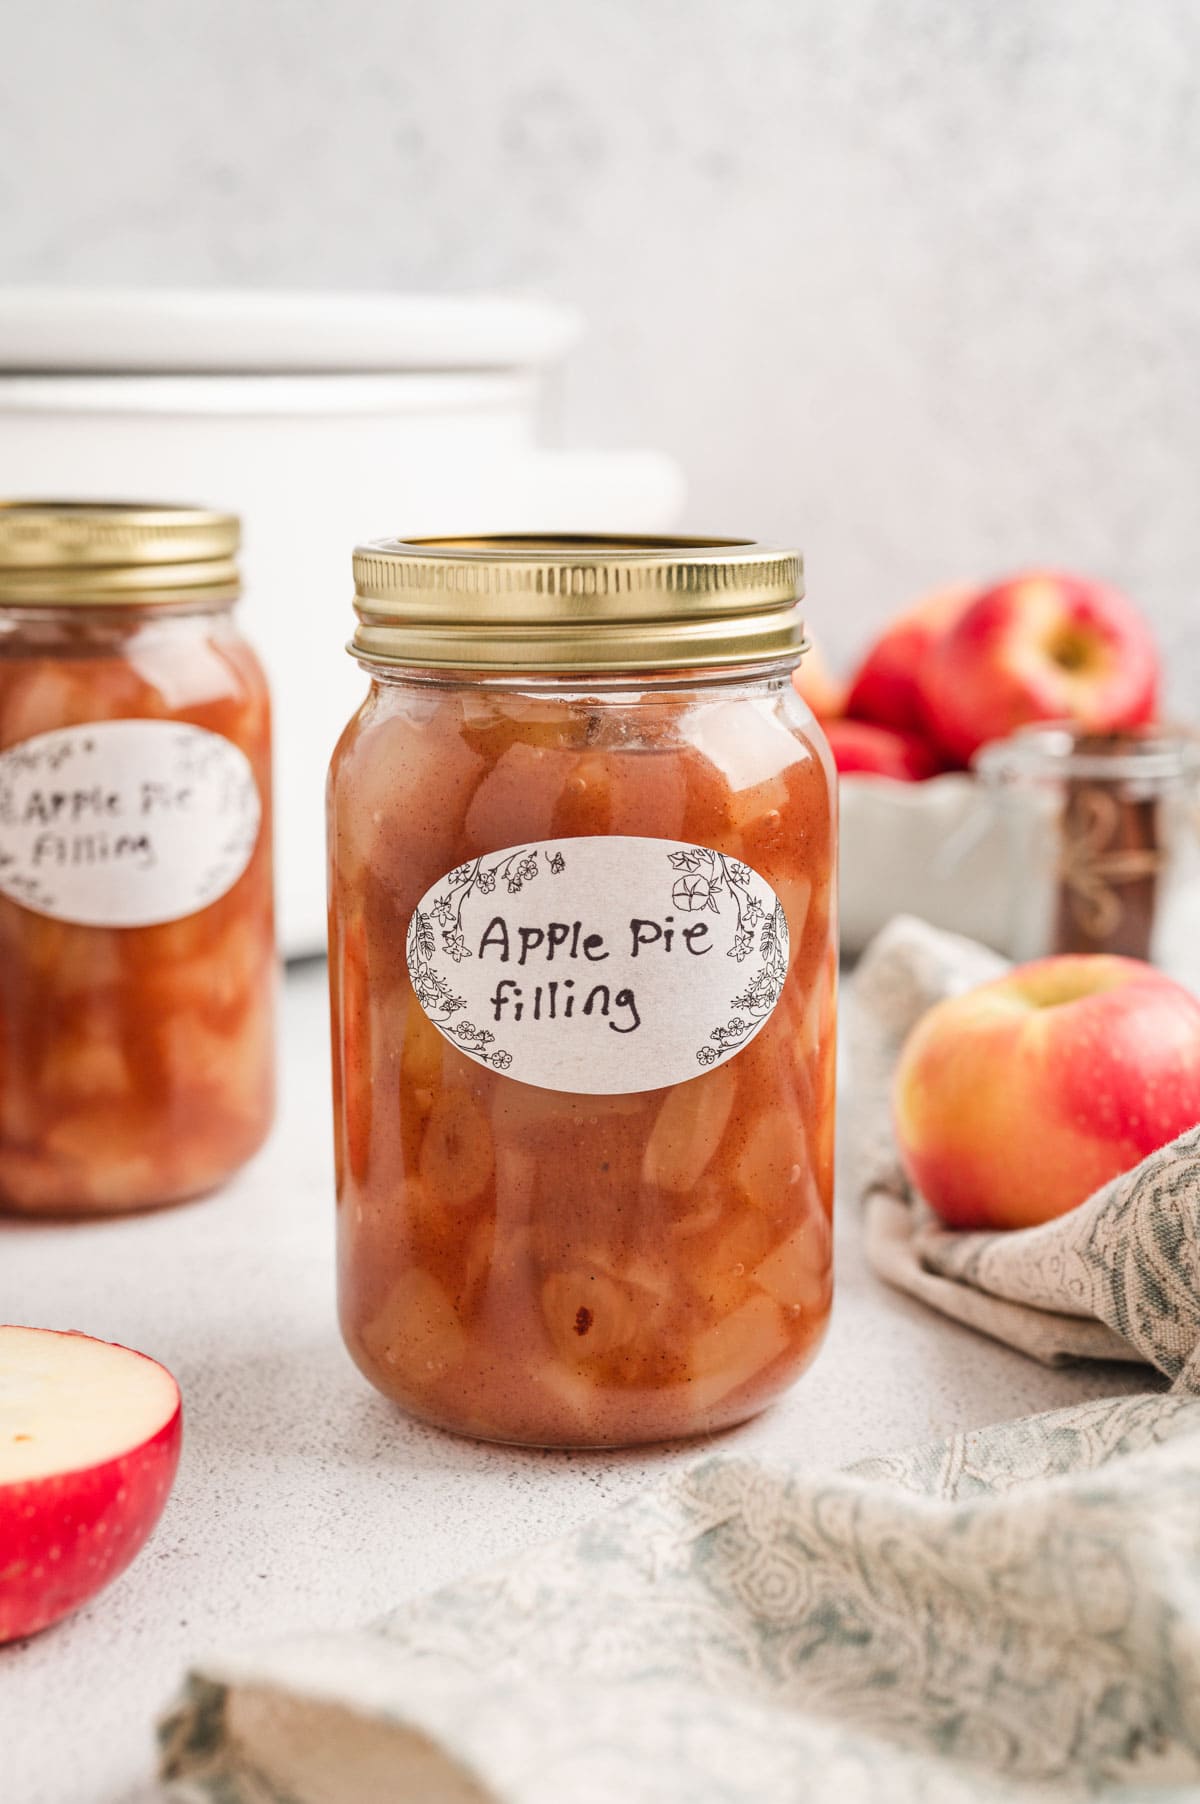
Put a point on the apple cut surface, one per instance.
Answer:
(89, 1443)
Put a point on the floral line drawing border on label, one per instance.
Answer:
(702, 881)
(705, 879)
(514, 869)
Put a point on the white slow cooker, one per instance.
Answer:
(321, 420)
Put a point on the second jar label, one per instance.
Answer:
(125, 823)
(599, 965)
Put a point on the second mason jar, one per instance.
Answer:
(583, 966)
(137, 951)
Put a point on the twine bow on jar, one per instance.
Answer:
(1109, 845)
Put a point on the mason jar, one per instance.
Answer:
(137, 958)
(583, 969)
(1101, 834)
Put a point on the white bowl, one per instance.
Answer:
(937, 849)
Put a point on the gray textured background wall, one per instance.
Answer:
(915, 281)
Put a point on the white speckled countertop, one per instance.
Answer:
(304, 1500)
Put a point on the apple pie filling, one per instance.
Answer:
(137, 958)
(605, 1220)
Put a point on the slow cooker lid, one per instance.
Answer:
(168, 331)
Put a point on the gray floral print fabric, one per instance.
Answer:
(1008, 1616)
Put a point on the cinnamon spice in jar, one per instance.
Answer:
(137, 950)
(1106, 841)
(583, 970)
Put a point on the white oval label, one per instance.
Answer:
(599, 965)
(125, 823)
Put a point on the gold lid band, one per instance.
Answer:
(576, 603)
(81, 553)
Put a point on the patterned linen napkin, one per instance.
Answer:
(1117, 1278)
(1011, 1615)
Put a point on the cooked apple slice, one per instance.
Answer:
(89, 1443)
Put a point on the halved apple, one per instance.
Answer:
(89, 1442)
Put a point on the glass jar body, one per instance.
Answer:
(1102, 840)
(551, 1266)
(136, 1057)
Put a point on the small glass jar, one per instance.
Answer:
(137, 956)
(583, 967)
(1102, 842)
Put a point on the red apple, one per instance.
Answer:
(89, 1443)
(1017, 1100)
(878, 751)
(1039, 647)
(817, 685)
(886, 688)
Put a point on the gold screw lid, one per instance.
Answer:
(90, 552)
(547, 602)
